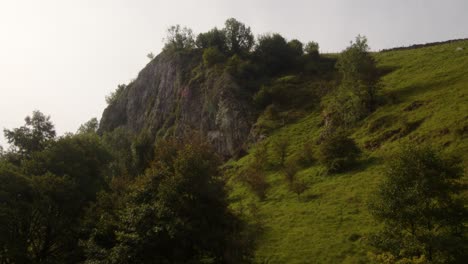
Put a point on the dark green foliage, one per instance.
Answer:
(338, 152)
(35, 135)
(214, 38)
(283, 93)
(175, 213)
(296, 48)
(142, 151)
(274, 53)
(81, 158)
(45, 194)
(119, 144)
(16, 196)
(419, 206)
(312, 49)
(90, 126)
(238, 67)
(212, 56)
(239, 38)
(299, 187)
(179, 38)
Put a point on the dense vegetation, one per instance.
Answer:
(329, 176)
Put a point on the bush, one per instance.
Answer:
(212, 56)
(237, 67)
(214, 38)
(338, 152)
(299, 187)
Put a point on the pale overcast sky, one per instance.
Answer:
(62, 56)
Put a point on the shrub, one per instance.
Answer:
(338, 152)
(299, 187)
(237, 67)
(212, 56)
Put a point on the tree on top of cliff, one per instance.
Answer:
(179, 38)
(239, 38)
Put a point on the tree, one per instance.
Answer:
(91, 126)
(35, 135)
(420, 206)
(290, 170)
(179, 38)
(312, 48)
(212, 56)
(296, 47)
(214, 38)
(359, 74)
(239, 38)
(175, 213)
(338, 152)
(280, 147)
(16, 197)
(274, 53)
(81, 158)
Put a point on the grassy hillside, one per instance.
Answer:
(425, 99)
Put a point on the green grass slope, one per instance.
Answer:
(425, 95)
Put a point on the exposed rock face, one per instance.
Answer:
(172, 95)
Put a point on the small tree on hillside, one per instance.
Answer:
(37, 132)
(359, 73)
(290, 170)
(299, 187)
(420, 206)
(338, 152)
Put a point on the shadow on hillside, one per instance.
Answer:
(365, 163)
(404, 93)
(384, 70)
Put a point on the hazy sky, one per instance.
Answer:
(62, 56)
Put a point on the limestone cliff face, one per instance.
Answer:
(173, 94)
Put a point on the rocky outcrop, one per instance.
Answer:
(174, 94)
